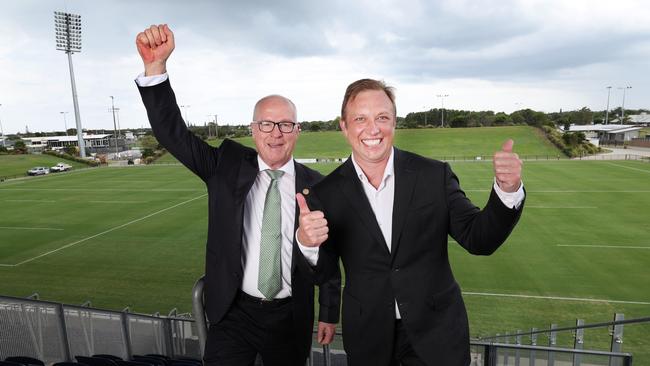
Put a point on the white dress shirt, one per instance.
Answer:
(253, 212)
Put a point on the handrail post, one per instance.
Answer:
(517, 342)
(199, 313)
(552, 342)
(617, 336)
(579, 341)
(533, 342)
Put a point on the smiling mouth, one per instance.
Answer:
(371, 142)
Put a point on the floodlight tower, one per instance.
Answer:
(67, 28)
(2, 132)
(609, 89)
(623, 105)
(442, 101)
(65, 122)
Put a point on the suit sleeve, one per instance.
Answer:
(329, 299)
(478, 231)
(172, 133)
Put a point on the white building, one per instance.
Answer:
(606, 133)
(36, 144)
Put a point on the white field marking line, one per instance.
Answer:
(557, 298)
(103, 232)
(570, 191)
(602, 246)
(629, 167)
(47, 201)
(563, 207)
(29, 228)
(118, 201)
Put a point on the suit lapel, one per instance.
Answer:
(301, 183)
(405, 178)
(356, 197)
(246, 177)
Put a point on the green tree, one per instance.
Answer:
(149, 142)
(70, 150)
(20, 147)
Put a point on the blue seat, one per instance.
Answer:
(26, 360)
(95, 361)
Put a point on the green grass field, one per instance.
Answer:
(135, 236)
(438, 143)
(17, 165)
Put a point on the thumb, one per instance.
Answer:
(302, 204)
(507, 146)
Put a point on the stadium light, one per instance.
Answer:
(609, 89)
(184, 107)
(442, 99)
(2, 131)
(623, 104)
(65, 123)
(67, 30)
(114, 124)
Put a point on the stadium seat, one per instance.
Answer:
(133, 363)
(95, 361)
(26, 360)
(189, 359)
(155, 361)
(157, 355)
(11, 363)
(110, 357)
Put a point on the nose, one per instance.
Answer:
(275, 132)
(373, 129)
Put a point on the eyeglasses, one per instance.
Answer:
(268, 126)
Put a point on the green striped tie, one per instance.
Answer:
(270, 276)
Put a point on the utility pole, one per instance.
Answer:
(65, 123)
(67, 28)
(425, 114)
(623, 105)
(442, 114)
(609, 89)
(2, 132)
(184, 107)
(114, 124)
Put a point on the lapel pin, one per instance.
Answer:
(305, 191)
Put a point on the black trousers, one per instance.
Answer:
(403, 352)
(253, 327)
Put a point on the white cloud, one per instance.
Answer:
(543, 54)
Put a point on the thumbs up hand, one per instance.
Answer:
(507, 168)
(313, 229)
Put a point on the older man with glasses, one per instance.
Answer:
(258, 290)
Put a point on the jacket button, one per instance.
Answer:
(396, 269)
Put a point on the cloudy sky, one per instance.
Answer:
(501, 55)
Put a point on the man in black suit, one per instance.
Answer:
(386, 213)
(258, 287)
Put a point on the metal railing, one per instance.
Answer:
(54, 332)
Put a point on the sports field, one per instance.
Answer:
(134, 236)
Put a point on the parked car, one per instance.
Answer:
(39, 170)
(60, 167)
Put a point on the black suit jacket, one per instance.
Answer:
(229, 171)
(428, 206)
